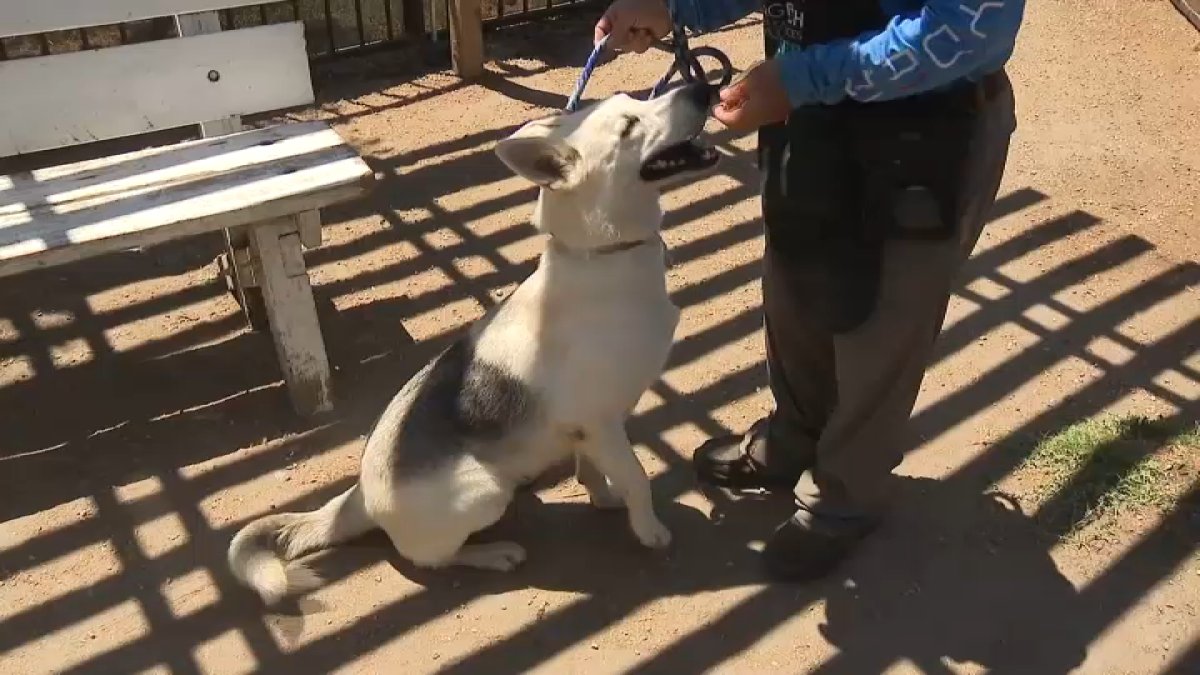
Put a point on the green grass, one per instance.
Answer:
(1102, 467)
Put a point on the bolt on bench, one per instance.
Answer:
(262, 187)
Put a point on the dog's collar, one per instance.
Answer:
(607, 249)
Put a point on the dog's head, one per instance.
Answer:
(605, 163)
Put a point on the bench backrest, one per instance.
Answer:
(68, 99)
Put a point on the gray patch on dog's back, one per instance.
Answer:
(461, 402)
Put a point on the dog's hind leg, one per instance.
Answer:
(448, 547)
(501, 556)
(432, 534)
(607, 447)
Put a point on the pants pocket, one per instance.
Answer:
(914, 172)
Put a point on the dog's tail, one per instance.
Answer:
(263, 554)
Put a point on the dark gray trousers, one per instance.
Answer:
(844, 393)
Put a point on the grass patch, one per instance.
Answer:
(1103, 467)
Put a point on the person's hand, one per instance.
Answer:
(634, 25)
(755, 100)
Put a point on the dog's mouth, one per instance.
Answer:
(690, 155)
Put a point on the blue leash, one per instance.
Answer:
(686, 64)
(588, 68)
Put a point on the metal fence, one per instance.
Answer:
(333, 27)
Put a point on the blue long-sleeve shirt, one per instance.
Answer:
(926, 45)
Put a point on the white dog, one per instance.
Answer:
(552, 372)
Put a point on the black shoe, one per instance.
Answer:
(728, 461)
(807, 547)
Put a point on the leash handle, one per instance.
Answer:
(686, 64)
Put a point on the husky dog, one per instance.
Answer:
(553, 372)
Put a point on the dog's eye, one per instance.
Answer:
(631, 123)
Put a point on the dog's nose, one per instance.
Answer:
(702, 93)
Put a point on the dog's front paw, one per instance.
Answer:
(652, 533)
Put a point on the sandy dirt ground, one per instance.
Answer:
(141, 424)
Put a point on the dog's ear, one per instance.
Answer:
(538, 156)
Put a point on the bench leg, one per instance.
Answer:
(238, 267)
(292, 314)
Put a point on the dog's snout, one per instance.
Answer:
(702, 94)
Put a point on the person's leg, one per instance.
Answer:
(879, 368)
(800, 362)
(777, 449)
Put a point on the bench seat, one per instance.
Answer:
(65, 213)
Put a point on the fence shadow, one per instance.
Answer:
(92, 414)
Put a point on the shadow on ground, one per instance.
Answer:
(958, 575)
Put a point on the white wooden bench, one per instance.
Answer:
(262, 187)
